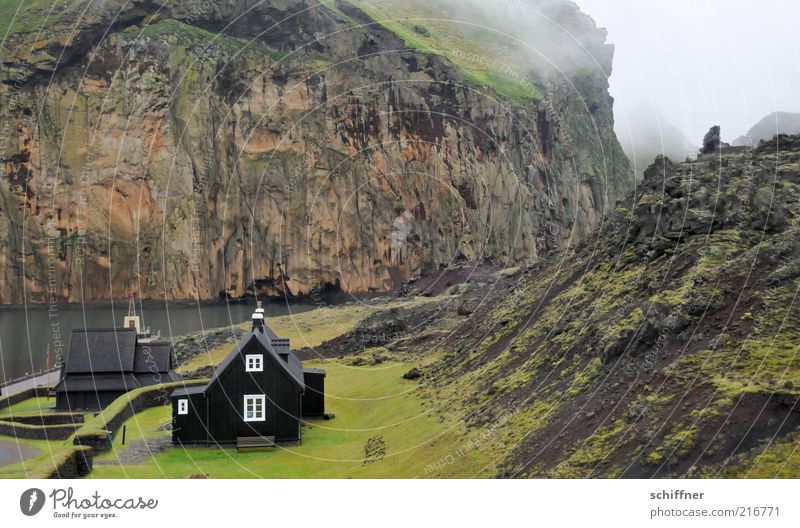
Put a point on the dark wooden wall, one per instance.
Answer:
(226, 401)
(314, 398)
(190, 428)
(86, 400)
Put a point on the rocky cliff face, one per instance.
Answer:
(280, 147)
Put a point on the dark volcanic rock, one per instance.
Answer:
(203, 163)
(711, 141)
(413, 374)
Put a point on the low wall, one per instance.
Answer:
(66, 463)
(34, 392)
(42, 425)
(96, 434)
(94, 437)
(45, 418)
(37, 432)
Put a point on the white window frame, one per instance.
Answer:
(258, 400)
(183, 406)
(258, 363)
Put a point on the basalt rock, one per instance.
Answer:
(234, 148)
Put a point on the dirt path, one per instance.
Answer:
(11, 453)
(139, 452)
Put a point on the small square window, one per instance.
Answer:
(183, 406)
(254, 363)
(254, 408)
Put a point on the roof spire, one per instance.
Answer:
(258, 318)
(132, 320)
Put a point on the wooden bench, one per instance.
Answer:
(252, 442)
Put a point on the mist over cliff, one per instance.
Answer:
(207, 149)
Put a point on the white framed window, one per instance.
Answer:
(183, 406)
(254, 363)
(254, 407)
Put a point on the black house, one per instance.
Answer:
(260, 390)
(103, 364)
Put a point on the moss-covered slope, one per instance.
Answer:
(665, 345)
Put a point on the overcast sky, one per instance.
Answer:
(702, 62)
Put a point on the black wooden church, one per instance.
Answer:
(260, 390)
(103, 364)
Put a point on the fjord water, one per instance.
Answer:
(26, 332)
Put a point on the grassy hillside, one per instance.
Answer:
(483, 56)
(666, 346)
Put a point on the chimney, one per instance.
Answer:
(258, 318)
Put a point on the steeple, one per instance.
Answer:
(258, 318)
(132, 320)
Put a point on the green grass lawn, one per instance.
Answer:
(307, 329)
(30, 405)
(143, 426)
(22, 469)
(46, 447)
(374, 407)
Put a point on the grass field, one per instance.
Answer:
(29, 405)
(45, 447)
(385, 426)
(306, 329)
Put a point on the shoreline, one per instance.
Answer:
(336, 299)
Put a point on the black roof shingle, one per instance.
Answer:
(152, 357)
(293, 366)
(93, 351)
(187, 391)
(105, 382)
(113, 359)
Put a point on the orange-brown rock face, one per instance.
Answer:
(166, 158)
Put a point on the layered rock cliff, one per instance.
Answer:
(242, 147)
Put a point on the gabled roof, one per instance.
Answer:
(106, 382)
(101, 350)
(152, 357)
(155, 378)
(187, 391)
(293, 367)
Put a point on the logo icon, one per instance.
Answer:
(31, 501)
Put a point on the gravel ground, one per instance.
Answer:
(139, 452)
(11, 453)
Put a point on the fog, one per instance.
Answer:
(680, 66)
(693, 64)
